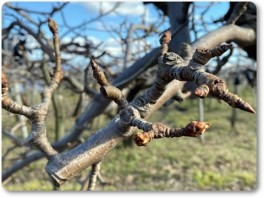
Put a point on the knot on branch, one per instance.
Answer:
(128, 114)
(217, 88)
(218, 51)
(208, 83)
(170, 59)
(159, 128)
(107, 90)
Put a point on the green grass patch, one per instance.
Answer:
(225, 161)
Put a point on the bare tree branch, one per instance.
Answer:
(239, 9)
(37, 114)
(243, 35)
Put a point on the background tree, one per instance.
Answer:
(132, 71)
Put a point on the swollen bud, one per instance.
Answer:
(52, 26)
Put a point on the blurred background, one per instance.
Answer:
(118, 35)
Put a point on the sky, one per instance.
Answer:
(134, 12)
(77, 12)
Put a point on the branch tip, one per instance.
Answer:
(164, 42)
(166, 38)
(52, 26)
(202, 91)
(196, 128)
(94, 65)
(246, 107)
(98, 74)
(142, 139)
(4, 81)
(203, 55)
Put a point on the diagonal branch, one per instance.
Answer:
(239, 9)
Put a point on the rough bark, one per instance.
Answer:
(171, 66)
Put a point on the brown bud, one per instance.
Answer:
(166, 38)
(142, 139)
(196, 128)
(4, 81)
(94, 65)
(201, 55)
(98, 74)
(52, 26)
(241, 104)
(219, 90)
(202, 91)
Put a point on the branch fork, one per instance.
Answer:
(64, 166)
(132, 115)
(208, 83)
(37, 114)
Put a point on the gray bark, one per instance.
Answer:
(242, 35)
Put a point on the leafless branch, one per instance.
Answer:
(119, 129)
(239, 9)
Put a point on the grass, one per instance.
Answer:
(226, 161)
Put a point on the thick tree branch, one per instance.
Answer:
(242, 35)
